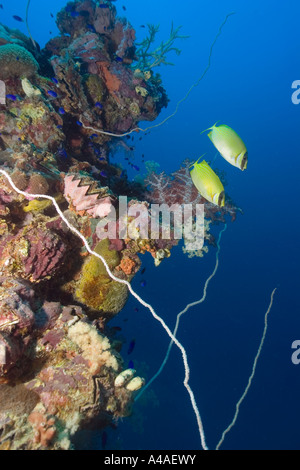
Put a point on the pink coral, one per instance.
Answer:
(179, 189)
(175, 189)
(89, 47)
(104, 19)
(35, 255)
(76, 193)
(124, 36)
(44, 427)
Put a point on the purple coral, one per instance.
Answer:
(35, 255)
(124, 37)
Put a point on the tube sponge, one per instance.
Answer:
(16, 61)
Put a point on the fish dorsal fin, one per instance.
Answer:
(195, 163)
(210, 128)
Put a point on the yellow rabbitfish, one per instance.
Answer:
(230, 145)
(208, 183)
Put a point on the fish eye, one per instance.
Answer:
(221, 200)
(244, 161)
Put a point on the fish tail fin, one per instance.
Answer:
(209, 128)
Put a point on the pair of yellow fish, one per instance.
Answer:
(233, 149)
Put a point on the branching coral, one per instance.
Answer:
(148, 59)
(179, 188)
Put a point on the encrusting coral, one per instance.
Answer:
(96, 289)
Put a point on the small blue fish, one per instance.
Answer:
(18, 18)
(62, 153)
(59, 126)
(143, 284)
(79, 123)
(54, 80)
(93, 136)
(74, 14)
(119, 59)
(103, 5)
(11, 97)
(61, 111)
(52, 93)
(131, 346)
(91, 27)
(103, 173)
(99, 105)
(130, 365)
(136, 168)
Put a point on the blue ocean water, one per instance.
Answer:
(249, 87)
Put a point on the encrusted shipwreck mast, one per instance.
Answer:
(60, 363)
